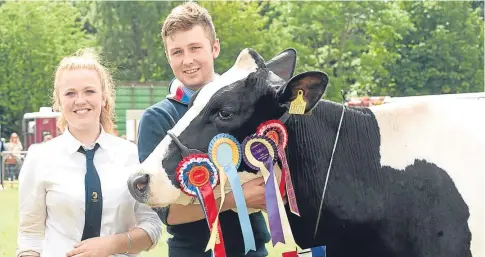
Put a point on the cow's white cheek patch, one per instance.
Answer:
(449, 134)
(161, 190)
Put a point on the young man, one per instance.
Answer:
(191, 46)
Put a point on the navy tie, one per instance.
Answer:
(93, 196)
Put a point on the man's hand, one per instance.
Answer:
(253, 193)
(93, 247)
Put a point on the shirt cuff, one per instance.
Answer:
(27, 253)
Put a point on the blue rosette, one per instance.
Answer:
(225, 152)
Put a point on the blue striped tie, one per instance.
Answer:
(93, 196)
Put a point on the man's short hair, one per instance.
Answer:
(185, 17)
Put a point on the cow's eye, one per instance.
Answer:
(223, 114)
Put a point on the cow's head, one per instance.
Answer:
(236, 102)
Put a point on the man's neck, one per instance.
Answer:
(195, 88)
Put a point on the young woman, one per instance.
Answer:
(73, 197)
(13, 160)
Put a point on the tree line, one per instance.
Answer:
(367, 48)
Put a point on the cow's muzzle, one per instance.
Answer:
(138, 185)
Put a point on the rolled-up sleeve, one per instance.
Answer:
(32, 208)
(148, 220)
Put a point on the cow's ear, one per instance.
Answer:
(283, 64)
(308, 87)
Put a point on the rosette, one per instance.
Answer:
(276, 131)
(198, 177)
(225, 153)
(260, 153)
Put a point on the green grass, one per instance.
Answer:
(9, 219)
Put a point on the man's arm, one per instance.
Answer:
(153, 127)
(253, 193)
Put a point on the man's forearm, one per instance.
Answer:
(181, 214)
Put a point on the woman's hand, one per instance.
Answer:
(93, 247)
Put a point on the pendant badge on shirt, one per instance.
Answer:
(276, 131)
(225, 152)
(197, 177)
(260, 153)
(94, 197)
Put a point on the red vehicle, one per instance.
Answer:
(35, 125)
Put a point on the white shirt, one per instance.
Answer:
(51, 195)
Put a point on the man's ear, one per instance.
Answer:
(216, 48)
(283, 64)
(309, 86)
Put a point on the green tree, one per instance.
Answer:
(240, 25)
(129, 34)
(34, 37)
(445, 55)
(350, 41)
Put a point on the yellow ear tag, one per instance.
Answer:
(298, 105)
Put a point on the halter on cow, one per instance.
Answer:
(407, 179)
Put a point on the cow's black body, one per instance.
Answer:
(369, 210)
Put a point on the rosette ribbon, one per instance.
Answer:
(225, 152)
(198, 177)
(276, 131)
(260, 154)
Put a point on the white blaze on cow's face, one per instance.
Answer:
(161, 191)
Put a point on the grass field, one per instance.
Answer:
(9, 219)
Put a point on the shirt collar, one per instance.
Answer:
(73, 144)
(178, 92)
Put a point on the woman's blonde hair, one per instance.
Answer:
(87, 59)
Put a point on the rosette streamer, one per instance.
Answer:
(225, 153)
(276, 131)
(260, 154)
(198, 177)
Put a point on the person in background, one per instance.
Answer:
(73, 199)
(13, 159)
(191, 46)
(3, 148)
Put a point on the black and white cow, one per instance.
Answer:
(407, 179)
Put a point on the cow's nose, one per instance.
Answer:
(139, 187)
(140, 183)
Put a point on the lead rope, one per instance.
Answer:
(328, 171)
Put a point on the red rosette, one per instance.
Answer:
(275, 130)
(197, 167)
(198, 177)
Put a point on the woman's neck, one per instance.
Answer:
(86, 136)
